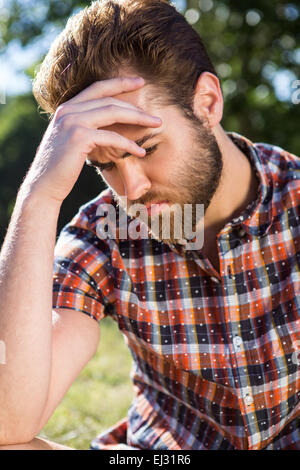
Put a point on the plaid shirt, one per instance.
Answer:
(215, 354)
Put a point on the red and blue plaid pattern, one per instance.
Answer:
(216, 360)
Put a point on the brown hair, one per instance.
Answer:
(149, 37)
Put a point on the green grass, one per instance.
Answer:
(99, 397)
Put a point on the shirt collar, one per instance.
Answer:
(257, 218)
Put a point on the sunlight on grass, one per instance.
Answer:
(99, 397)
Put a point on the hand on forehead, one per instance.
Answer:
(141, 100)
(138, 99)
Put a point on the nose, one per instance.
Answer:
(136, 182)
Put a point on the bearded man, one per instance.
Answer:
(213, 329)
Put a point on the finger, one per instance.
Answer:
(103, 138)
(109, 115)
(92, 104)
(110, 87)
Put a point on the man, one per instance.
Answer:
(214, 332)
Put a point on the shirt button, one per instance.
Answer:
(242, 232)
(248, 400)
(214, 279)
(237, 341)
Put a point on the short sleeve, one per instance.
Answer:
(81, 278)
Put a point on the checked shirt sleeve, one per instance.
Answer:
(80, 278)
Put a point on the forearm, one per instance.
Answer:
(26, 264)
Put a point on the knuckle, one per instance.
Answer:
(111, 107)
(66, 121)
(60, 111)
(75, 133)
(142, 117)
(120, 140)
(112, 101)
(117, 137)
(114, 111)
(99, 85)
(124, 80)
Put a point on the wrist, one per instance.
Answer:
(28, 195)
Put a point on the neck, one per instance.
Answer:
(238, 186)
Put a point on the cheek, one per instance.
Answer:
(165, 171)
(114, 181)
(159, 166)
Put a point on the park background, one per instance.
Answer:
(255, 47)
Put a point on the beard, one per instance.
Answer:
(191, 184)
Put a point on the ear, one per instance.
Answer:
(208, 99)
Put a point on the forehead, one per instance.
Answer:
(141, 98)
(150, 97)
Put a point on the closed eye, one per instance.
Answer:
(111, 165)
(150, 150)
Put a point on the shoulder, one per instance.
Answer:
(283, 165)
(83, 232)
(283, 169)
(91, 213)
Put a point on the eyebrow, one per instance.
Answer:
(139, 142)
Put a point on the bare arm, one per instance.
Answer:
(74, 342)
(25, 316)
(40, 360)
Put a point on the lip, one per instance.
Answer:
(155, 207)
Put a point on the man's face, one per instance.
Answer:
(183, 165)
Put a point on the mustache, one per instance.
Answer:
(149, 197)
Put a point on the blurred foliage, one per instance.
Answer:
(252, 44)
(26, 20)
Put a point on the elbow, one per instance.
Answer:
(17, 432)
(15, 438)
